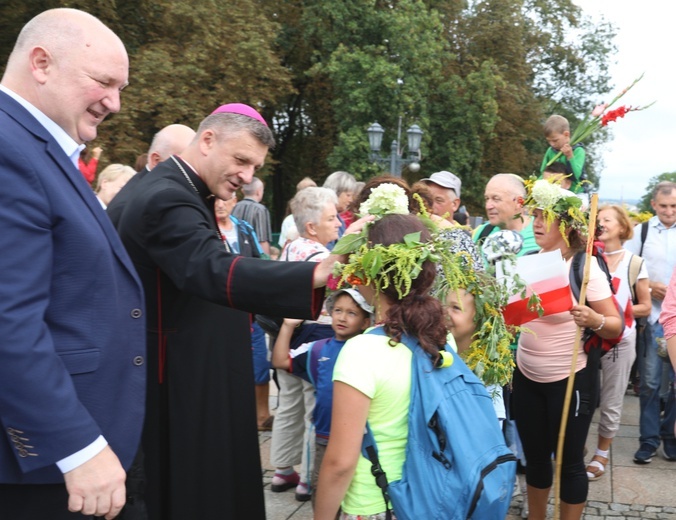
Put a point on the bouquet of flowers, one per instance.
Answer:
(600, 117)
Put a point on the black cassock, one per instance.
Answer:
(200, 439)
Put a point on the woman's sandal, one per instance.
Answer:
(596, 467)
(266, 425)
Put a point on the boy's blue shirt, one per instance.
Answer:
(321, 416)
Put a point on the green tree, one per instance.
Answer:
(190, 58)
(478, 76)
(546, 57)
(186, 58)
(644, 203)
(354, 62)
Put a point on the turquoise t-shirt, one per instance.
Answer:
(529, 244)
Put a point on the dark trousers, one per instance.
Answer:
(36, 502)
(537, 409)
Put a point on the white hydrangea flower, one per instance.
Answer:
(545, 194)
(385, 199)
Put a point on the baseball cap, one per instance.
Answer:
(356, 296)
(446, 180)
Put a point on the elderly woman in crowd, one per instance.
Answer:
(316, 217)
(288, 230)
(110, 181)
(544, 361)
(344, 186)
(616, 228)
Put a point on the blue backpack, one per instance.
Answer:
(457, 465)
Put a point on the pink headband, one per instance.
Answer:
(242, 109)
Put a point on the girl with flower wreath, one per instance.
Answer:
(372, 377)
(543, 362)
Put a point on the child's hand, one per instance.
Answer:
(567, 150)
(292, 322)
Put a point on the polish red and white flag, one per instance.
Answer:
(546, 275)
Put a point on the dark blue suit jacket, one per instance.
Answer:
(72, 318)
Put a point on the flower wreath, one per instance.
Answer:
(556, 203)
(489, 355)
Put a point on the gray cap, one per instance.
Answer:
(446, 180)
(356, 296)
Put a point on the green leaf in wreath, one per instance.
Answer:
(349, 244)
(412, 239)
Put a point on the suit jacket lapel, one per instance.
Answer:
(71, 173)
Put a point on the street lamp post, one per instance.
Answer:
(396, 159)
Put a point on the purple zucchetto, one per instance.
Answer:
(242, 109)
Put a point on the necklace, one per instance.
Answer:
(185, 174)
(609, 253)
(614, 262)
(187, 178)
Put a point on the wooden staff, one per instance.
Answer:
(591, 231)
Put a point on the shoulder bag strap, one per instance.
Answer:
(633, 269)
(644, 235)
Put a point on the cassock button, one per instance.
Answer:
(138, 361)
(136, 313)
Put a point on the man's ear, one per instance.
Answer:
(41, 64)
(154, 160)
(566, 134)
(456, 205)
(207, 141)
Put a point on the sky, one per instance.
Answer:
(642, 144)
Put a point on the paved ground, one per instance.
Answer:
(626, 491)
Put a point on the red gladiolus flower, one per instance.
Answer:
(613, 115)
(333, 282)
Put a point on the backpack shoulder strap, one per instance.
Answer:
(575, 274)
(485, 231)
(644, 235)
(633, 269)
(312, 255)
(314, 354)
(369, 448)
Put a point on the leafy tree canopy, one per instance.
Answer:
(478, 76)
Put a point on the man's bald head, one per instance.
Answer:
(172, 139)
(503, 199)
(71, 67)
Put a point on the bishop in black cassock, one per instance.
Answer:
(200, 439)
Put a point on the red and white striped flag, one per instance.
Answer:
(545, 275)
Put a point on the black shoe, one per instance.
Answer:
(303, 493)
(645, 454)
(669, 449)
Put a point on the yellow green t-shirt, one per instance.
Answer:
(383, 373)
